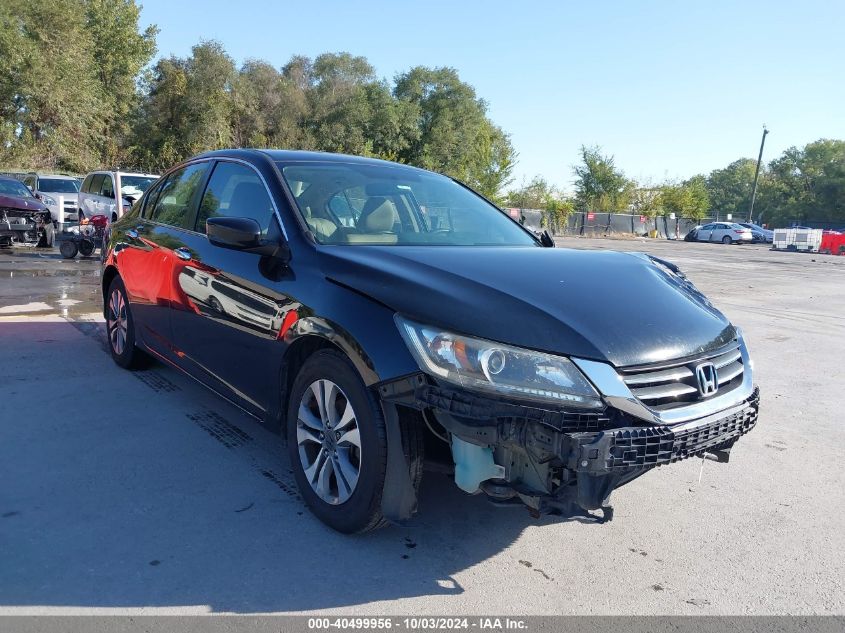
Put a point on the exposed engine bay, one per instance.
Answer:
(23, 226)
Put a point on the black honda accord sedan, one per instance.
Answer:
(382, 317)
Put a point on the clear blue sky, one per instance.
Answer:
(670, 88)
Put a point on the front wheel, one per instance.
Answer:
(726, 240)
(120, 327)
(337, 443)
(47, 236)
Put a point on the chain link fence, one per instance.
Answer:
(604, 224)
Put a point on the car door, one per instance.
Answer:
(704, 233)
(146, 258)
(106, 203)
(227, 327)
(90, 205)
(719, 231)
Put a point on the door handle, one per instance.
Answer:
(132, 234)
(183, 253)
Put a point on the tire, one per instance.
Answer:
(86, 247)
(727, 240)
(68, 249)
(120, 329)
(48, 237)
(316, 443)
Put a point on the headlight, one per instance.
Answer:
(484, 365)
(48, 199)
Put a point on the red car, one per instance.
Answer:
(833, 242)
(23, 218)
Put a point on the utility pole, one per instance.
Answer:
(756, 175)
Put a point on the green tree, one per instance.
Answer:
(647, 200)
(119, 52)
(51, 101)
(188, 107)
(688, 199)
(455, 135)
(729, 189)
(540, 194)
(599, 185)
(532, 195)
(805, 185)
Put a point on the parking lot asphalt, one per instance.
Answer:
(143, 493)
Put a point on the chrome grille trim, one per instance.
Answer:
(665, 375)
(658, 392)
(616, 393)
(727, 373)
(726, 359)
(674, 383)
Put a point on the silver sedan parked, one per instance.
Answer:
(725, 232)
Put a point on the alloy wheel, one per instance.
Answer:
(329, 442)
(117, 321)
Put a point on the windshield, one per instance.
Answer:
(135, 184)
(58, 185)
(348, 203)
(14, 188)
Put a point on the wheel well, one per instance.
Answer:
(108, 276)
(295, 357)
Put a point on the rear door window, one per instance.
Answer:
(96, 184)
(235, 190)
(107, 188)
(175, 197)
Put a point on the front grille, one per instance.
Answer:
(653, 446)
(673, 384)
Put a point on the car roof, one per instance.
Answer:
(122, 173)
(56, 176)
(290, 155)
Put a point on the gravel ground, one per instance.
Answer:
(143, 493)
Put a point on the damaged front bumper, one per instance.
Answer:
(22, 226)
(564, 461)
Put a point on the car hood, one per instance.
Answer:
(23, 204)
(626, 309)
(69, 197)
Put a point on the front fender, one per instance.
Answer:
(363, 329)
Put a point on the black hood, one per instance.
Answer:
(627, 309)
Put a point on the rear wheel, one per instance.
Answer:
(337, 443)
(726, 240)
(68, 249)
(86, 247)
(120, 327)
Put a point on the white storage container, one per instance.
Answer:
(808, 239)
(783, 238)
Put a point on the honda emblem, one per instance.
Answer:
(708, 380)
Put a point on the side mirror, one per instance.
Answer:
(244, 234)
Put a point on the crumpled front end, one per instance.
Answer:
(568, 460)
(22, 226)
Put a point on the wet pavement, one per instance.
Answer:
(40, 282)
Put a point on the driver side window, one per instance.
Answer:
(235, 190)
